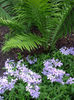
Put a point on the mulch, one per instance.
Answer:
(69, 42)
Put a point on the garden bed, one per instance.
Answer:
(68, 42)
(36, 50)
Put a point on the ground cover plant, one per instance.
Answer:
(34, 25)
(53, 73)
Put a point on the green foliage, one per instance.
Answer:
(5, 8)
(19, 56)
(20, 41)
(4, 14)
(12, 24)
(48, 16)
(67, 27)
(55, 92)
(48, 91)
(17, 93)
(63, 28)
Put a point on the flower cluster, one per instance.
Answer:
(54, 74)
(67, 51)
(34, 90)
(70, 81)
(5, 84)
(28, 58)
(53, 62)
(19, 71)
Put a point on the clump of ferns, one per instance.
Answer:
(20, 15)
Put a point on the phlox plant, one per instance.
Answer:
(55, 91)
(48, 90)
(15, 72)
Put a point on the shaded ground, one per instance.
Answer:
(13, 53)
(3, 57)
(68, 42)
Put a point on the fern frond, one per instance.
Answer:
(66, 5)
(26, 41)
(40, 13)
(4, 14)
(12, 24)
(32, 10)
(7, 5)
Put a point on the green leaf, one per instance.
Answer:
(26, 41)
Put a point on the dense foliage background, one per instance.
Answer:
(34, 24)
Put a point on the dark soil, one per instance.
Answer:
(4, 56)
(65, 41)
(13, 53)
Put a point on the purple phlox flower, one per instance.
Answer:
(58, 63)
(16, 73)
(35, 94)
(19, 63)
(51, 77)
(71, 50)
(3, 84)
(59, 80)
(11, 84)
(70, 81)
(7, 65)
(28, 58)
(67, 74)
(31, 62)
(34, 90)
(52, 62)
(55, 75)
(67, 51)
(47, 63)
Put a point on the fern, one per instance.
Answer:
(25, 41)
(4, 14)
(12, 24)
(65, 23)
(7, 5)
(49, 16)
